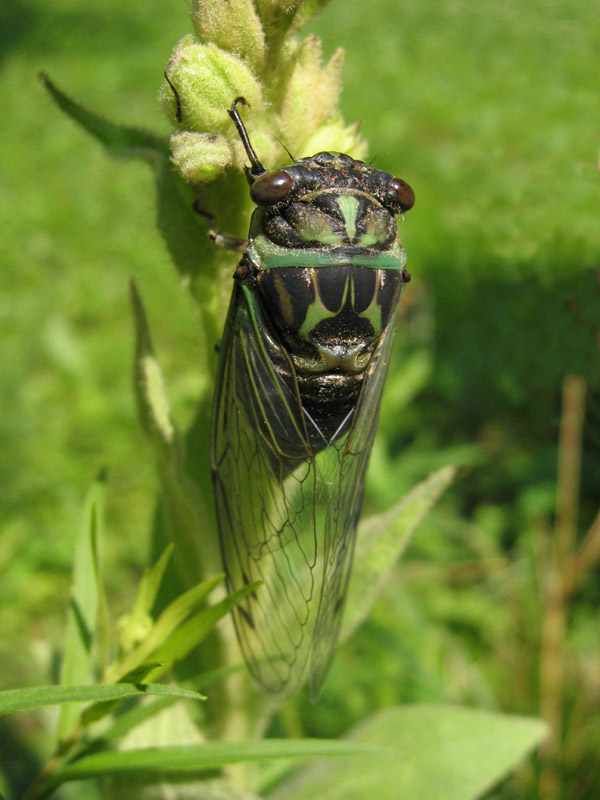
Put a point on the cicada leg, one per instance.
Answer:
(228, 242)
(220, 239)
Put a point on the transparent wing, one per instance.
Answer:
(287, 516)
(264, 487)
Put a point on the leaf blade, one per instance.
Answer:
(119, 140)
(381, 541)
(31, 698)
(193, 630)
(167, 623)
(83, 608)
(440, 751)
(190, 760)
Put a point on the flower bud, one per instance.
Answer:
(311, 94)
(205, 81)
(233, 26)
(200, 156)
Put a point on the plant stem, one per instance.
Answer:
(569, 466)
(39, 787)
(557, 583)
(584, 558)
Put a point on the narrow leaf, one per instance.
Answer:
(185, 233)
(171, 618)
(13, 700)
(119, 140)
(219, 674)
(438, 752)
(139, 674)
(134, 626)
(191, 633)
(83, 607)
(153, 404)
(96, 534)
(382, 539)
(125, 722)
(184, 506)
(191, 760)
(150, 583)
(99, 710)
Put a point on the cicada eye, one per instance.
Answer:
(404, 194)
(270, 188)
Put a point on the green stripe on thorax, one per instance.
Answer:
(267, 255)
(317, 311)
(348, 205)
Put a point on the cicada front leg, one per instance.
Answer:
(220, 239)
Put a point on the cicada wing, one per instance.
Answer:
(347, 478)
(265, 488)
(287, 517)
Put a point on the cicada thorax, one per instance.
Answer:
(329, 319)
(327, 269)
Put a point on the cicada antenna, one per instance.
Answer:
(175, 92)
(286, 150)
(257, 169)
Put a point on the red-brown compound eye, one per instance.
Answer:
(404, 194)
(270, 188)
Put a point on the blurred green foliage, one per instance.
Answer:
(489, 110)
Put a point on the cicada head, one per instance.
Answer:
(330, 200)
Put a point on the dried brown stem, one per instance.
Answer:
(569, 466)
(584, 559)
(559, 560)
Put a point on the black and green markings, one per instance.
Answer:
(302, 366)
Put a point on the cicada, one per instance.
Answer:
(302, 365)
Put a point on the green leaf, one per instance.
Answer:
(164, 627)
(14, 700)
(173, 726)
(185, 506)
(191, 632)
(101, 709)
(119, 140)
(102, 633)
(151, 582)
(124, 722)
(153, 405)
(381, 541)
(190, 760)
(83, 607)
(438, 752)
(134, 626)
(139, 674)
(185, 233)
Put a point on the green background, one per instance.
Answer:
(491, 112)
